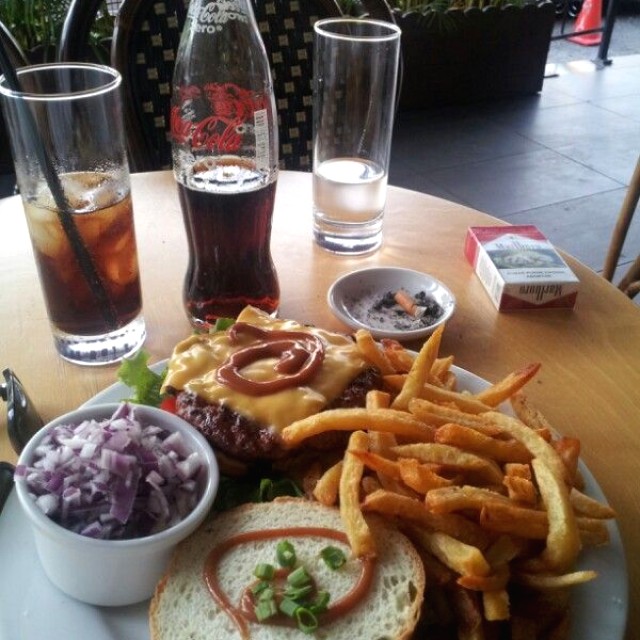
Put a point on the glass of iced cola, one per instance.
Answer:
(66, 130)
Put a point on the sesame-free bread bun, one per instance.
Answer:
(183, 609)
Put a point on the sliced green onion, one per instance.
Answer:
(333, 557)
(289, 607)
(298, 578)
(264, 571)
(259, 587)
(307, 622)
(286, 554)
(265, 609)
(298, 593)
(321, 602)
(266, 594)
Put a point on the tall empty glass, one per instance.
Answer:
(355, 79)
(78, 205)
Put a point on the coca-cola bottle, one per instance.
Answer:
(225, 161)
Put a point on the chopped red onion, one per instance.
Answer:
(114, 478)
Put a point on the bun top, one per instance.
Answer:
(196, 361)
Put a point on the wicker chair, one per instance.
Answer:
(630, 282)
(144, 45)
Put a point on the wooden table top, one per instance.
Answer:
(589, 384)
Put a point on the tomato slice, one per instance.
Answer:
(169, 404)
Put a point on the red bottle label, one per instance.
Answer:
(217, 117)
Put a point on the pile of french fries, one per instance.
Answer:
(493, 500)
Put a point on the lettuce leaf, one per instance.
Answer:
(145, 383)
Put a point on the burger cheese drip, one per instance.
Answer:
(299, 358)
(242, 613)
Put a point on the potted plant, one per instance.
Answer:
(37, 25)
(466, 51)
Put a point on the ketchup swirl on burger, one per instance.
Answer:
(299, 358)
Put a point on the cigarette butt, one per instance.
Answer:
(406, 302)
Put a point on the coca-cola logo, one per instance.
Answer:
(215, 117)
(214, 15)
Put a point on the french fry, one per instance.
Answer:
(493, 582)
(470, 439)
(518, 470)
(529, 414)
(593, 531)
(463, 401)
(492, 502)
(371, 352)
(520, 490)
(401, 360)
(438, 415)
(420, 477)
(377, 399)
(539, 447)
(495, 605)
(541, 581)
(497, 393)
(563, 539)
(395, 381)
(441, 372)
(411, 510)
(587, 506)
(503, 551)
(419, 371)
(502, 517)
(448, 499)
(381, 443)
(360, 537)
(462, 558)
(453, 458)
(387, 420)
(373, 461)
(569, 451)
(439, 574)
(326, 489)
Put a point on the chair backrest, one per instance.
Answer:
(145, 43)
(17, 58)
(14, 51)
(630, 281)
(144, 47)
(75, 43)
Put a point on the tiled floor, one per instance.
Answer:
(560, 160)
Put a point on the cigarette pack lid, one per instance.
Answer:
(520, 268)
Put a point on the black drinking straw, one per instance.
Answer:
(64, 209)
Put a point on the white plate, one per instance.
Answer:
(352, 298)
(31, 608)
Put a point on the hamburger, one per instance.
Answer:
(241, 387)
(203, 592)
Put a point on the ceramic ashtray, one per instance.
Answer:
(391, 302)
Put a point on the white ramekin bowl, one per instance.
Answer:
(114, 572)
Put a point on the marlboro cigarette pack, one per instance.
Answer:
(520, 268)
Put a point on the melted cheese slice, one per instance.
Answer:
(195, 360)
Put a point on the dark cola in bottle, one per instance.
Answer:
(225, 161)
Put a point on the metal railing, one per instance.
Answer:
(567, 10)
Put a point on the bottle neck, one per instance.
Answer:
(210, 17)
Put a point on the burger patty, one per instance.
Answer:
(247, 440)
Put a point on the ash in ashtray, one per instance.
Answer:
(385, 313)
